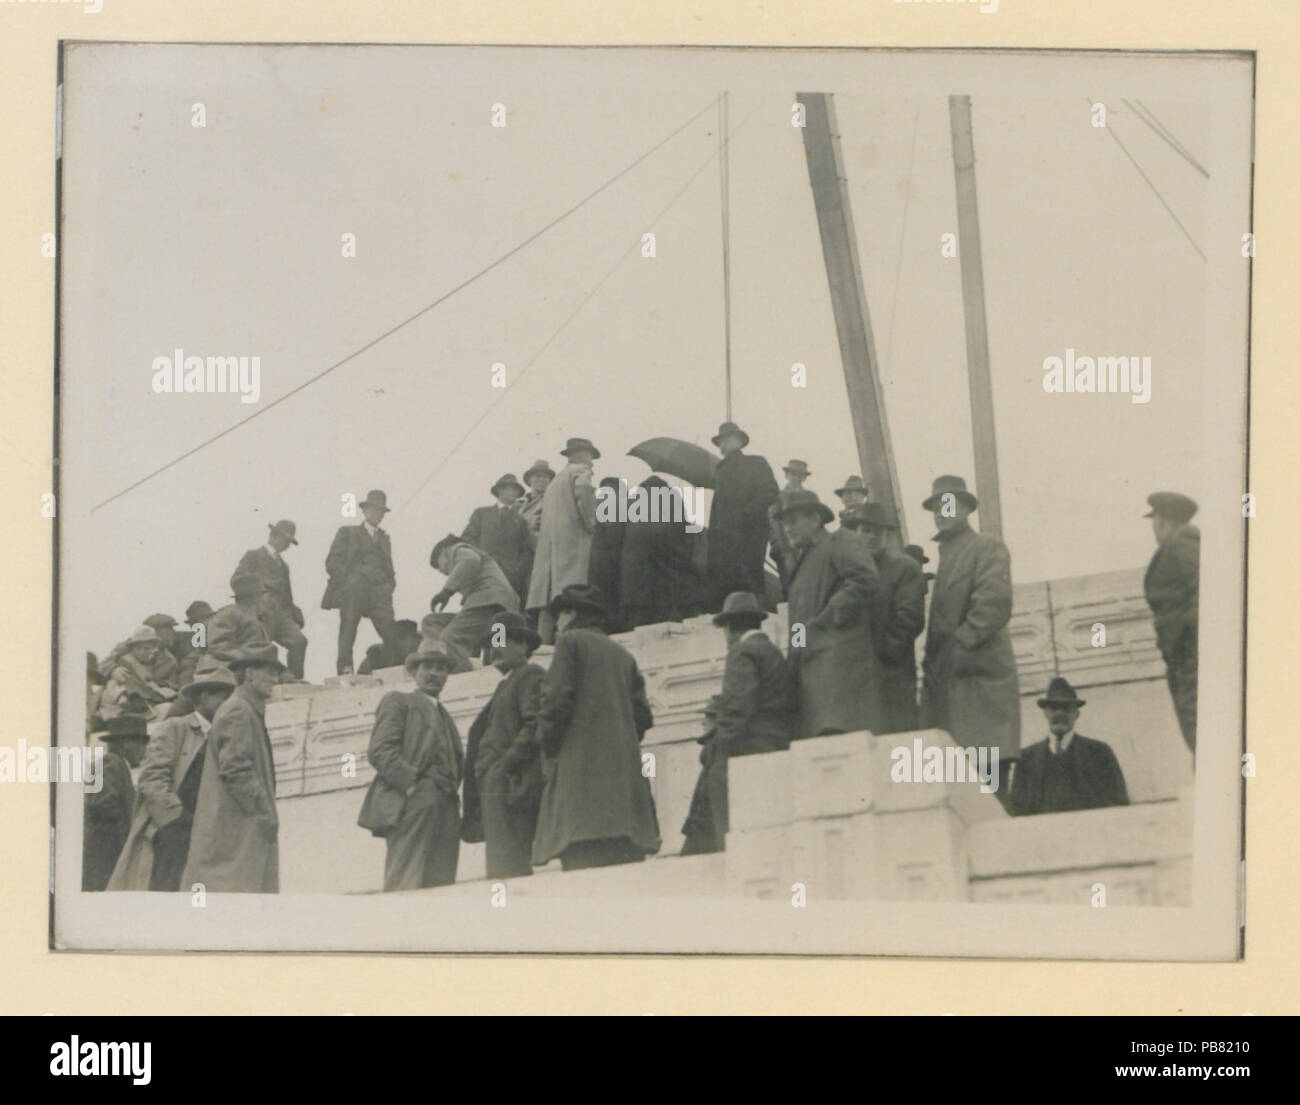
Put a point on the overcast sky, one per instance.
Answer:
(226, 240)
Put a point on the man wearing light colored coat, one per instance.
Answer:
(564, 540)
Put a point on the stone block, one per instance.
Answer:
(832, 775)
(759, 863)
(760, 791)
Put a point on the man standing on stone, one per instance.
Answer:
(106, 816)
(897, 617)
(361, 579)
(538, 478)
(412, 801)
(564, 540)
(1172, 587)
(743, 490)
(239, 625)
(753, 714)
(1067, 771)
(596, 806)
(502, 532)
(483, 587)
(832, 587)
(234, 842)
(796, 472)
(970, 687)
(503, 773)
(283, 620)
(159, 845)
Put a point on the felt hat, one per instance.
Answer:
(1060, 693)
(853, 483)
(916, 553)
(209, 674)
(255, 654)
(198, 611)
(508, 480)
(730, 428)
(431, 649)
(1172, 505)
(539, 466)
(579, 444)
(442, 546)
(739, 604)
(866, 515)
(145, 635)
(375, 498)
(580, 596)
(791, 501)
(954, 485)
(516, 628)
(160, 621)
(285, 528)
(799, 468)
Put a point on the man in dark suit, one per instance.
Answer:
(412, 801)
(1067, 771)
(502, 532)
(503, 773)
(283, 620)
(754, 713)
(1172, 587)
(361, 579)
(110, 798)
(744, 488)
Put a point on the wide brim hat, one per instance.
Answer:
(1059, 692)
(579, 444)
(209, 674)
(580, 596)
(792, 501)
(160, 621)
(538, 467)
(516, 627)
(376, 498)
(853, 483)
(431, 650)
(916, 553)
(285, 528)
(198, 611)
(953, 485)
(739, 604)
(799, 468)
(145, 635)
(255, 654)
(508, 480)
(442, 546)
(1172, 505)
(730, 428)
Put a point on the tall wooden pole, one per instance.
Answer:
(977, 337)
(848, 299)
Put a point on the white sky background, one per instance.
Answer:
(226, 241)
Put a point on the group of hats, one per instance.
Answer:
(542, 467)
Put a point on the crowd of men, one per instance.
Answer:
(552, 765)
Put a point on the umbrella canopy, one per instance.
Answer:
(692, 463)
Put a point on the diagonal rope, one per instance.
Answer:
(573, 314)
(409, 319)
(1149, 117)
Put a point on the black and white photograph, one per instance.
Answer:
(651, 500)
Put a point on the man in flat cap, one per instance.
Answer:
(597, 807)
(412, 801)
(796, 472)
(832, 588)
(110, 797)
(239, 625)
(1172, 587)
(283, 620)
(897, 616)
(159, 843)
(743, 490)
(501, 532)
(753, 713)
(483, 587)
(361, 579)
(971, 688)
(234, 842)
(1067, 771)
(503, 772)
(137, 672)
(564, 540)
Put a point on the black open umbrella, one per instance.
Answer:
(692, 463)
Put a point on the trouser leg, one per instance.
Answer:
(379, 609)
(169, 856)
(469, 627)
(507, 834)
(424, 846)
(350, 607)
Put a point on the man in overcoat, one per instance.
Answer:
(502, 532)
(897, 616)
(483, 587)
(564, 539)
(796, 473)
(503, 774)
(832, 587)
(283, 620)
(413, 800)
(1067, 771)
(234, 844)
(361, 579)
(752, 714)
(238, 625)
(743, 490)
(167, 793)
(139, 672)
(106, 817)
(538, 478)
(596, 808)
(970, 686)
(1172, 588)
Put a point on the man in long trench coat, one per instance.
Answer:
(564, 540)
(970, 686)
(596, 806)
(739, 525)
(234, 845)
(1172, 588)
(831, 589)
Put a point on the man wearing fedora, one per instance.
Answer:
(234, 840)
(283, 620)
(159, 843)
(918, 554)
(137, 672)
(187, 653)
(501, 532)
(753, 714)
(853, 493)
(897, 616)
(832, 586)
(110, 798)
(1067, 771)
(1172, 588)
(564, 539)
(483, 587)
(538, 478)
(412, 801)
(743, 491)
(503, 773)
(596, 807)
(361, 579)
(796, 473)
(970, 685)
